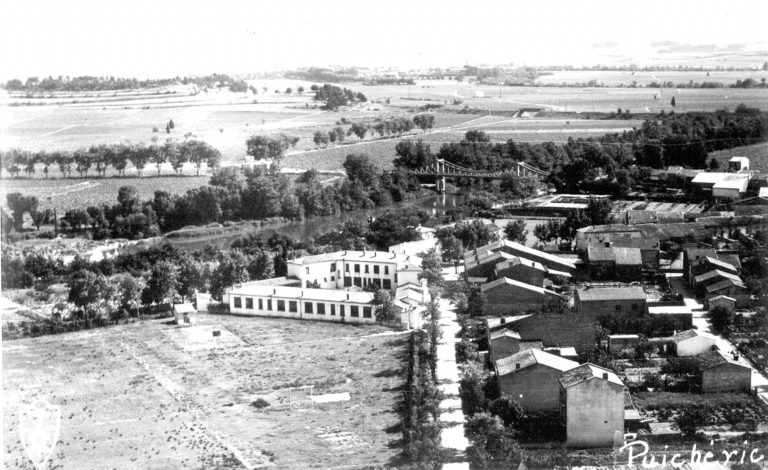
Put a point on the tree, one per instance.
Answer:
(506, 408)
(424, 121)
(672, 102)
(490, 441)
(598, 211)
(19, 205)
(128, 198)
(300, 89)
(318, 138)
(541, 232)
(714, 165)
(359, 130)
(432, 266)
(413, 155)
(267, 148)
(230, 271)
(128, 293)
(452, 250)
(387, 310)
(88, 291)
(515, 231)
(359, 167)
(721, 318)
(162, 284)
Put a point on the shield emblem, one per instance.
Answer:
(39, 427)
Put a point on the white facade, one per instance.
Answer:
(344, 269)
(302, 303)
(693, 344)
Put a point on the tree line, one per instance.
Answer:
(93, 83)
(334, 97)
(395, 126)
(100, 158)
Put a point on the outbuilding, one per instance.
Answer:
(531, 378)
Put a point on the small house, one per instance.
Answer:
(505, 295)
(184, 314)
(611, 300)
(716, 374)
(521, 269)
(691, 343)
(730, 288)
(618, 343)
(531, 378)
(591, 406)
(729, 303)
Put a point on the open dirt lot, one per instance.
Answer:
(153, 395)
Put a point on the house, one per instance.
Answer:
(601, 262)
(504, 343)
(706, 264)
(552, 262)
(691, 343)
(602, 234)
(531, 378)
(722, 185)
(729, 303)
(485, 266)
(738, 164)
(714, 276)
(716, 374)
(629, 263)
(521, 269)
(691, 254)
(184, 314)
(680, 316)
(649, 247)
(496, 323)
(591, 406)
(730, 288)
(611, 300)
(505, 295)
(342, 269)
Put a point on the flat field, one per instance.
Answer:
(152, 395)
(65, 194)
(757, 154)
(617, 78)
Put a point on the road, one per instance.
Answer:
(451, 415)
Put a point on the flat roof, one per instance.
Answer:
(299, 293)
(611, 293)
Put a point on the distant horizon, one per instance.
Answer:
(145, 40)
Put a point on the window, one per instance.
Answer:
(333, 267)
(341, 310)
(346, 267)
(387, 284)
(366, 269)
(293, 306)
(357, 268)
(333, 309)
(261, 304)
(307, 269)
(347, 281)
(249, 303)
(395, 277)
(354, 311)
(307, 307)
(269, 305)
(333, 278)
(320, 309)
(281, 305)
(618, 308)
(325, 279)
(358, 282)
(366, 312)
(375, 269)
(376, 283)
(386, 269)
(238, 302)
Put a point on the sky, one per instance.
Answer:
(167, 37)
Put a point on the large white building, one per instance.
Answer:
(344, 269)
(329, 287)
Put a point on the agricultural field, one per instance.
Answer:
(65, 194)
(154, 395)
(625, 78)
(757, 154)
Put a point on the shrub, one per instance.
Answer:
(260, 403)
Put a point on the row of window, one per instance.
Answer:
(366, 281)
(357, 268)
(309, 307)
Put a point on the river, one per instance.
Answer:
(435, 204)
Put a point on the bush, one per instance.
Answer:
(260, 403)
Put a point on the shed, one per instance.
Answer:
(692, 342)
(716, 374)
(618, 343)
(184, 313)
(722, 301)
(531, 377)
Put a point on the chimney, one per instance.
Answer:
(605, 375)
(345, 252)
(517, 365)
(374, 254)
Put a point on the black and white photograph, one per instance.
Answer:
(433, 235)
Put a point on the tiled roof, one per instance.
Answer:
(518, 284)
(714, 262)
(684, 335)
(496, 322)
(611, 293)
(600, 253)
(724, 285)
(532, 252)
(628, 256)
(714, 274)
(709, 359)
(530, 357)
(502, 333)
(586, 372)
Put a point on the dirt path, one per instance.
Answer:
(451, 415)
